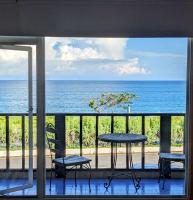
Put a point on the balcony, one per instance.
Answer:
(165, 133)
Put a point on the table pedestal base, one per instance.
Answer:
(136, 180)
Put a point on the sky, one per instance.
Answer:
(104, 59)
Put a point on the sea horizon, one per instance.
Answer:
(72, 96)
(101, 80)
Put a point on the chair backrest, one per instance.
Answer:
(54, 145)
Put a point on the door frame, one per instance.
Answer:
(40, 73)
(27, 49)
(40, 100)
(189, 120)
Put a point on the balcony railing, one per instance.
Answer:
(163, 132)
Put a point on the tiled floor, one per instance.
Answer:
(118, 187)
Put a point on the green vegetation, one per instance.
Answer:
(110, 100)
(152, 128)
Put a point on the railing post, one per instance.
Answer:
(23, 140)
(60, 135)
(81, 138)
(127, 146)
(112, 131)
(7, 143)
(143, 143)
(165, 139)
(96, 142)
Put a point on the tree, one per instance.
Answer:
(109, 100)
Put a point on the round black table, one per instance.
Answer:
(129, 139)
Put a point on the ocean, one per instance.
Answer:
(73, 96)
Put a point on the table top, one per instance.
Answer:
(122, 138)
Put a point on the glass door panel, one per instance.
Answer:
(16, 119)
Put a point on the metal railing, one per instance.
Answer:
(165, 120)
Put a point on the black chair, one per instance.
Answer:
(165, 158)
(73, 161)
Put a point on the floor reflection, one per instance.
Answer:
(118, 187)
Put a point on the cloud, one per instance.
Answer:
(50, 46)
(85, 48)
(13, 63)
(12, 55)
(111, 47)
(132, 67)
(78, 57)
(88, 55)
(125, 67)
(95, 69)
(67, 54)
(60, 66)
(155, 54)
(9, 70)
(70, 53)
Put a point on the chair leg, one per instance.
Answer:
(163, 173)
(64, 181)
(51, 177)
(160, 169)
(89, 176)
(75, 177)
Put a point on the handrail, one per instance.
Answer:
(97, 114)
(60, 124)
